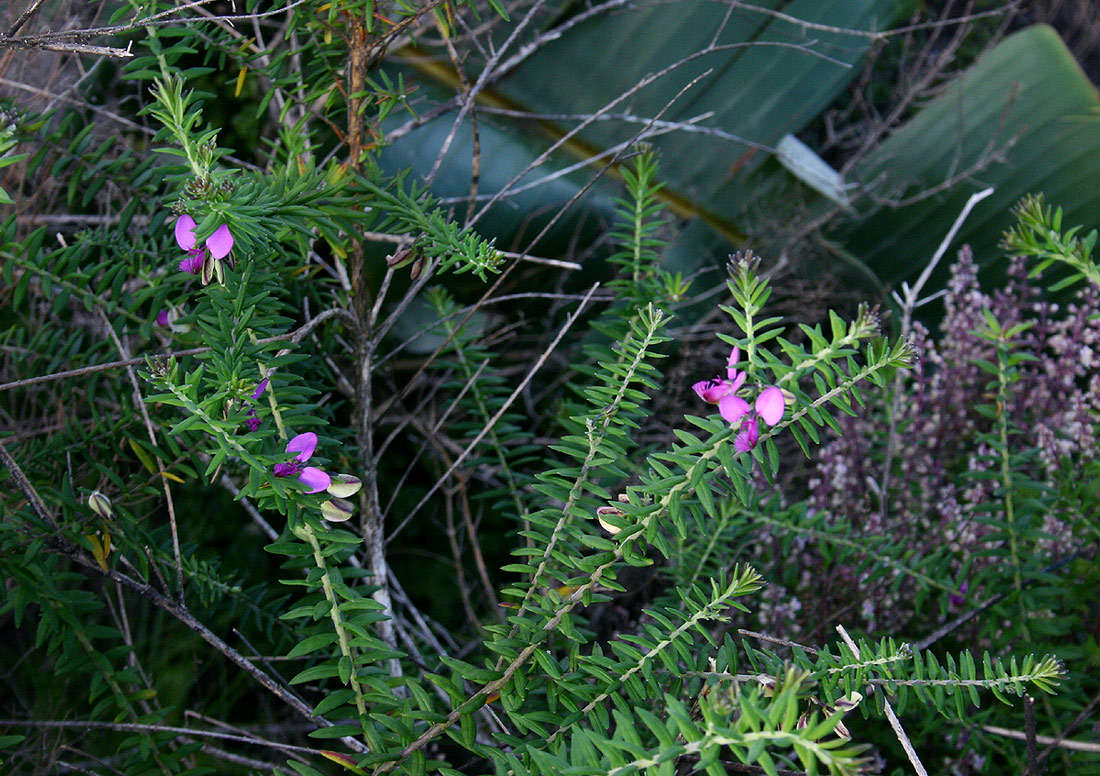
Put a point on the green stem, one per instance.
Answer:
(1008, 485)
(307, 532)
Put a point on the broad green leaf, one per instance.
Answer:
(1028, 90)
(766, 77)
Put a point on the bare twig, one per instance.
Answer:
(144, 590)
(65, 48)
(873, 34)
(642, 83)
(1029, 731)
(500, 412)
(895, 723)
(468, 98)
(779, 641)
(908, 301)
(25, 17)
(139, 404)
(404, 239)
(126, 727)
(294, 336)
(1061, 743)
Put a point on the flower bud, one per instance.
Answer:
(400, 257)
(337, 510)
(101, 505)
(344, 485)
(609, 510)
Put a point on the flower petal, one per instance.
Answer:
(260, 388)
(770, 405)
(220, 243)
(746, 440)
(303, 445)
(711, 390)
(193, 263)
(733, 408)
(735, 356)
(315, 479)
(284, 469)
(185, 232)
(162, 318)
(344, 485)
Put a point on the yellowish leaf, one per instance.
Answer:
(345, 760)
(142, 455)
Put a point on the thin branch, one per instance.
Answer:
(294, 336)
(1061, 743)
(126, 727)
(873, 34)
(25, 17)
(895, 723)
(146, 591)
(689, 125)
(500, 412)
(468, 99)
(643, 82)
(65, 48)
(908, 303)
(1029, 731)
(139, 404)
(404, 239)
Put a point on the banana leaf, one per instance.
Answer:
(765, 77)
(1026, 101)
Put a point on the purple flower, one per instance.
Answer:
(312, 477)
(168, 317)
(748, 436)
(958, 599)
(219, 244)
(713, 390)
(253, 421)
(770, 404)
(193, 263)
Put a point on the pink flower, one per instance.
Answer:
(312, 477)
(711, 391)
(769, 405)
(219, 244)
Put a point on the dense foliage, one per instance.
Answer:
(304, 473)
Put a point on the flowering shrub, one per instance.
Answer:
(175, 569)
(769, 404)
(943, 490)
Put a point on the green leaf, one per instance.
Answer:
(312, 644)
(767, 78)
(1028, 90)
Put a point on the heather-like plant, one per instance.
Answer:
(947, 470)
(970, 487)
